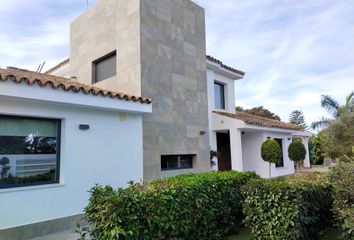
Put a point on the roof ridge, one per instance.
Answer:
(66, 61)
(208, 57)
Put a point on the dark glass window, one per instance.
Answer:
(171, 162)
(219, 95)
(281, 161)
(29, 151)
(104, 67)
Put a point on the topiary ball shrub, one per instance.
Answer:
(297, 151)
(271, 151)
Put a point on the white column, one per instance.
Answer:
(307, 158)
(236, 149)
(213, 146)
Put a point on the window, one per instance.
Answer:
(281, 162)
(219, 95)
(171, 162)
(29, 151)
(104, 67)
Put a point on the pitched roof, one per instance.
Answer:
(258, 121)
(59, 65)
(210, 58)
(30, 78)
(217, 61)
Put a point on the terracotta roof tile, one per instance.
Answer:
(258, 121)
(21, 75)
(217, 61)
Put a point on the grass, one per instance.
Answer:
(329, 234)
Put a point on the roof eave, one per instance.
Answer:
(224, 71)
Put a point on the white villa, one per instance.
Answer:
(137, 100)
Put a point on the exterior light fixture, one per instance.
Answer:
(84, 127)
(202, 133)
(268, 138)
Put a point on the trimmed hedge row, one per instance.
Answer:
(193, 206)
(342, 179)
(287, 208)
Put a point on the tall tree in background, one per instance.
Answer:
(334, 109)
(259, 111)
(297, 117)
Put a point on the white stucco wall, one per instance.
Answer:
(110, 152)
(251, 152)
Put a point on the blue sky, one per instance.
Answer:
(291, 51)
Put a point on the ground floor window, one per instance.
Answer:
(171, 162)
(29, 151)
(281, 161)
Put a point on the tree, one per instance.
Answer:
(239, 109)
(297, 152)
(339, 137)
(297, 117)
(271, 152)
(334, 109)
(318, 153)
(262, 112)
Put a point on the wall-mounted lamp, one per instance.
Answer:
(202, 133)
(289, 139)
(84, 127)
(268, 138)
(243, 132)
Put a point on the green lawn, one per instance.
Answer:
(330, 234)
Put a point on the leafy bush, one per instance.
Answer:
(342, 179)
(297, 151)
(193, 206)
(271, 151)
(317, 151)
(287, 208)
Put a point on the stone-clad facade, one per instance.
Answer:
(160, 46)
(173, 74)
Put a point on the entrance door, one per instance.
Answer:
(223, 145)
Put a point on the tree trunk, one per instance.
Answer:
(270, 170)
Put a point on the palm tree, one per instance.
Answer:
(334, 109)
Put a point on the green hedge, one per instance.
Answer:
(287, 208)
(342, 179)
(193, 206)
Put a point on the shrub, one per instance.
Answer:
(297, 151)
(342, 179)
(292, 208)
(271, 152)
(193, 206)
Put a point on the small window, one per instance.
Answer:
(172, 162)
(29, 151)
(219, 95)
(104, 67)
(281, 161)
